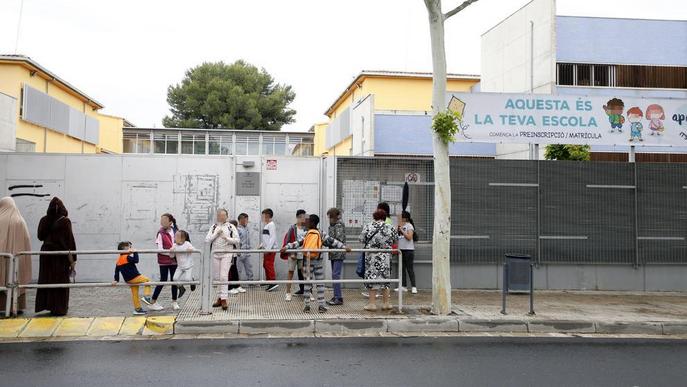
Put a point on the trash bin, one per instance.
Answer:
(518, 266)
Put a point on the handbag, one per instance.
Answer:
(360, 267)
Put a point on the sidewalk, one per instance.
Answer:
(106, 312)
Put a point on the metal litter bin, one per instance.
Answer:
(517, 267)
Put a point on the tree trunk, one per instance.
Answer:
(441, 240)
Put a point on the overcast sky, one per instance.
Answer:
(125, 53)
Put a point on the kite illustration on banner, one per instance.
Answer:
(456, 106)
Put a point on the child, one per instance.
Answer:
(296, 233)
(182, 252)
(222, 236)
(655, 115)
(168, 266)
(338, 232)
(126, 265)
(314, 240)
(233, 269)
(243, 259)
(269, 242)
(406, 243)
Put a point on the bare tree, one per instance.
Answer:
(441, 240)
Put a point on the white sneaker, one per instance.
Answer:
(234, 291)
(312, 298)
(413, 290)
(155, 306)
(287, 297)
(241, 290)
(175, 305)
(401, 288)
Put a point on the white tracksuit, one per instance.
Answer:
(222, 237)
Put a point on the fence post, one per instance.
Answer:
(505, 287)
(636, 210)
(400, 281)
(15, 280)
(206, 281)
(9, 281)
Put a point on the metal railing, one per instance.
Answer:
(206, 300)
(206, 276)
(14, 285)
(9, 281)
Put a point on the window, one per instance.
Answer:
(166, 143)
(605, 75)
(300, 145)
(584, 74)
(565, 74)
(247, 144)
(187, 144)
(25, 146)
(273, 145)
(220, 144)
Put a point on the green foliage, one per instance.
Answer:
(445, 124)
(235, 96)
(567, 152)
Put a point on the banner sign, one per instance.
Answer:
(553, 119)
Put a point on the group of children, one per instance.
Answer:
(230, 235)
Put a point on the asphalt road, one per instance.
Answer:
(348, 362)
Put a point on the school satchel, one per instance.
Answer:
(288, 238)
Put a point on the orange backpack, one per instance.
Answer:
(312, 240)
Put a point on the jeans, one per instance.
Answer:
(165, 271)
(408, 259)
(337, 268)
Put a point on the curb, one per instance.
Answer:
(428, 324)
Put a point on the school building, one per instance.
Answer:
(41, 112)
(389, 113)
(535, 50)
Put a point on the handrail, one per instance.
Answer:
(12, 285)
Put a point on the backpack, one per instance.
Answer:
(290, 236)
(312, 240)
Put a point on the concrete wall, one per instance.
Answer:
(8, 124)
(621, 41)
(362, 127)
(114, 198)
(401, 134)
(513, 50)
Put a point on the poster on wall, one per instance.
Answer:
(553, 119)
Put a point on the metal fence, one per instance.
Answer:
(559, 212)
(205, 281)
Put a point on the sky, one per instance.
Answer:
(126, 53)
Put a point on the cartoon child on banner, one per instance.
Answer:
(655, 116)
(614, 110)
(634, 116)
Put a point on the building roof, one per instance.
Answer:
(390, 74)
(137, 128)
(32, 64)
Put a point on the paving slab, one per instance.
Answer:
(41, 327)
(73, 326)
(10, 328)
(132, 326)
(105, 326)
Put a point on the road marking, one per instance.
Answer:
(132, 326)
(12, 327)
(73, 326)
(41, 327)
(105, 326)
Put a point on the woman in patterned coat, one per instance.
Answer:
(378, 235)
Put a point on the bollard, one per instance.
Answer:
(531, 313)
(505, 287)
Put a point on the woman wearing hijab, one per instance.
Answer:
(14, 237)
(55, 231)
